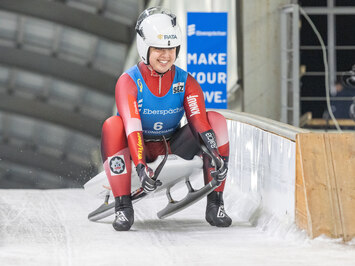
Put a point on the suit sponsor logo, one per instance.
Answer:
(178, 87)
(140, 104)
(170, 111)
(140, 146)
(192, 101)
(117, 165)
(140, 85)
(133, 106)
(211, 140)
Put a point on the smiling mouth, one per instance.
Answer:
(163, 61)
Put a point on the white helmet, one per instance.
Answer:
(157, 27)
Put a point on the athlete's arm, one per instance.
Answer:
(194, 105)
(127, 106)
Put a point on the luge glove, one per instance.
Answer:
(146, 175)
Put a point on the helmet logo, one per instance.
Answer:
(167, 36)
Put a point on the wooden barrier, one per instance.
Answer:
(307, 121)
(325, 184)
(322, 187)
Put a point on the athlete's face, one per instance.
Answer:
(161, 59)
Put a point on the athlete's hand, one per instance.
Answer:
(221, 169)
(145, 175)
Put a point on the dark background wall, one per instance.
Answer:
(313, 84)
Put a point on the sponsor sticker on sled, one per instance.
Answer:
(117, 165)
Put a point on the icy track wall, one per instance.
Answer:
(290, 176)
(262, 166)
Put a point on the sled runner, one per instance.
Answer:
(176, 170)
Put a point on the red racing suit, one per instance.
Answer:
(122, 139)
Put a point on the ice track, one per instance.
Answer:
(50, 227)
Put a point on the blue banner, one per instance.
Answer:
(207, 55)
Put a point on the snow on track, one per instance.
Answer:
(50, 227)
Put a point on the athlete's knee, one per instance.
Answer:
(213, 114)
(215, 118)
(217, 121)
(113, 122)
(219, 126)
(113, 137)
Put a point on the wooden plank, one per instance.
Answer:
(332, 189)
(322, 214)
(343, 152)
(301, 217)
(322, 122)
(325, 184)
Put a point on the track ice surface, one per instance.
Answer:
(50, 227)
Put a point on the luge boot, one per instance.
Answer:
(124, 213)
(215, 213)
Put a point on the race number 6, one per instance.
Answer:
(158, 126)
